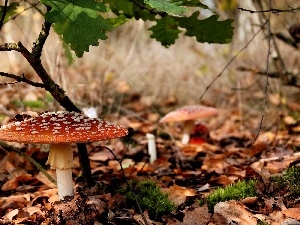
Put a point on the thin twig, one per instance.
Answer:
(271, 10)
(27, 157)
(21, 79)
(267, 79)
(231, 60)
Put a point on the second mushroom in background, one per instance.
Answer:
(188, 115)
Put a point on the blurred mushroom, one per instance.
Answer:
(188, 114)
(60, 129)
(151, 147)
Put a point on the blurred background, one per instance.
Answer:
(130, 73)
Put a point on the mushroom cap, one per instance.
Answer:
(60, 127)
(189, 112)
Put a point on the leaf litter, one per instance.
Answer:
(186, 174)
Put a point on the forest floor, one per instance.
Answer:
(187, 173)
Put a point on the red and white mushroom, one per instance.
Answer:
(60, 129)
(188, 114)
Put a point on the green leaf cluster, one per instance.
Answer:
(78, 22)
(82, 23)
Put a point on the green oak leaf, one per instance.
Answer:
(11, 10)
(167, 6)
(194, 3)
(165, 31)
(208, 30)
(78, 22)
(124, 6)
(118, 21)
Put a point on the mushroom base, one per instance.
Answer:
(64, 183)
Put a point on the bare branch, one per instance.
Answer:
(267, 77)
(39, 44)
(271, 10)
(22, 79)
(9, 47)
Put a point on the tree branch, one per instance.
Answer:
(39, 44)
(272, 10)
(22, 79)
(9, 47)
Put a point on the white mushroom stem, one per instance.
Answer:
(151, 147)
(64, 183)
(187, 128)
(61, 159)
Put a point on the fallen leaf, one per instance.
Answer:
(197, 216)
(293, 213)
(234, 213)
(178, 194)
(221, 180)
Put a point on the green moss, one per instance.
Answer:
(150, 198)
(240, 190)
(288, 181)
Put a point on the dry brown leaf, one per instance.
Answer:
(6, 166)
(115, 201)
(178, 194)
(234, 213)
(197, 216)
(233, 170)
(277, 216)
(257, 148)
(12, 214)
(14, 201)
(10, 185)
(41, 177)
(15, 182)
(214, 163)
(206, 147)
(221, 180)
(101, 156)
(293, 213)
